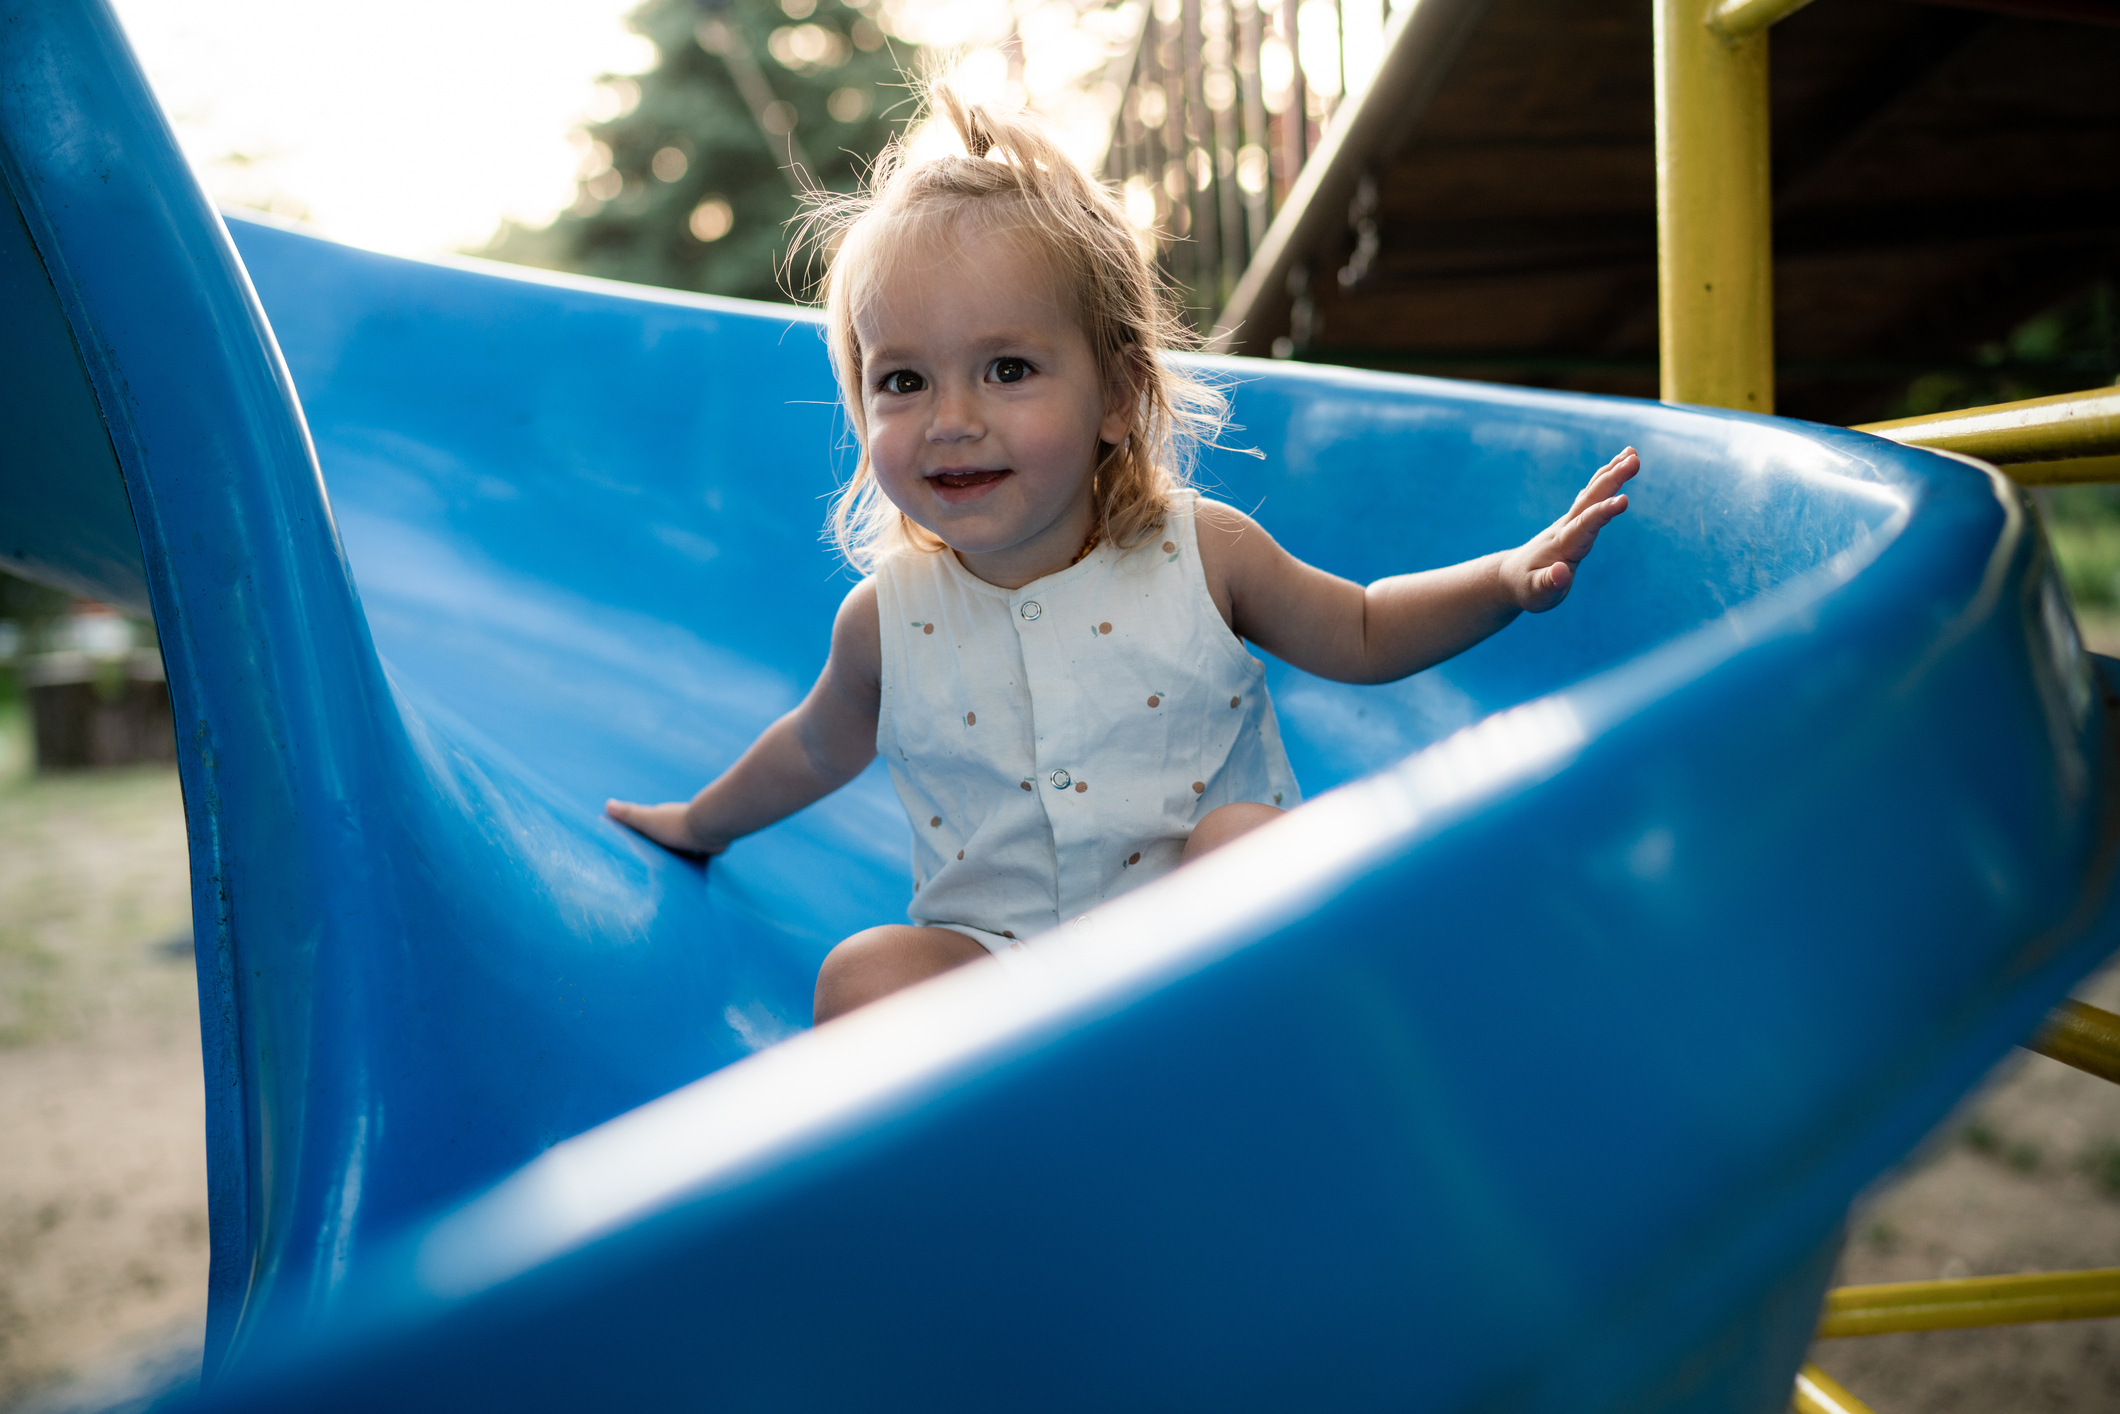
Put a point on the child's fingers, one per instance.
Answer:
(1606, 480)
(1613, 475)
(1580, 533)
(633, 817)
(1549, 585)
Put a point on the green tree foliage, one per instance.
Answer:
(689, 185)
(2075, 345)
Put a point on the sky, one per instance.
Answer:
(417, 126)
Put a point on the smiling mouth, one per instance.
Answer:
(966, 480)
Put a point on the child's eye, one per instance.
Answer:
(902, 381)
(1010, 370)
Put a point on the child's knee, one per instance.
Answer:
(850, 971)
(878, 961)
(1225, 822)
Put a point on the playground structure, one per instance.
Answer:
(1716, 308)
(1487, 205)
(1718, 197)
(1409, 1100)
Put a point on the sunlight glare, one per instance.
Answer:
(358, 120)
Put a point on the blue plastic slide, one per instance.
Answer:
(1530, 1067)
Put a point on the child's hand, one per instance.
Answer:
(1540, 571)
(665, 824)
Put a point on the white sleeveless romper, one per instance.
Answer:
(1055, 744)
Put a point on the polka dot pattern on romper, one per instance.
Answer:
(1171, 618)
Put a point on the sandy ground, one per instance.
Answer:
(2025, 1179)
(102, 1169)
(102, 1159)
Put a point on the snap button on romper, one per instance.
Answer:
(1054, 745)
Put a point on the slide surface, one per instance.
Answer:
(1530, 1066)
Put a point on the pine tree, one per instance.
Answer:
(700, 181)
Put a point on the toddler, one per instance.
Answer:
(1049, 649)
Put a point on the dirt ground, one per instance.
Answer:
(2026, 1178)
(102, 1110)
(102, 1168)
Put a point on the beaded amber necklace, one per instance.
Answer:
(1096, 528)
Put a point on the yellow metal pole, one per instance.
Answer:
(2035, 440)
(2085, 1037)
(2077, 472)
(1715, 255)
(1819, 1393)
(1972, 1301)
(1734, 19)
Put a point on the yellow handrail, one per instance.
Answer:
(1734, 19)
(1971, 1301)
(2082, 1036)
(1819, 1393)
(2069, 437)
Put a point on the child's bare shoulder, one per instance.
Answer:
(1233, 546)
(1229, 541)
(1221, 524)
(857, 638)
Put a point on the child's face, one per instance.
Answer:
(985, 407)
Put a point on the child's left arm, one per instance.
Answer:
(1338, 629)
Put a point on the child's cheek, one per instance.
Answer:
(888, 448)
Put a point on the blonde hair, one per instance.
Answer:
(1012, 177)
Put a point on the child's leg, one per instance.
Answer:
(1223, 824)
(879, 961)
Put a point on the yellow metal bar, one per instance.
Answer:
(2063, 428)
(1734, 19)
(2074, 472)
(2084, 1037)
(1715, 255)
(1819, 1393)
(1974, 1301)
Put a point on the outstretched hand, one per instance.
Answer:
(1540, 571)
(665, 824)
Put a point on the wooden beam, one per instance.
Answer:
(2081, 12)
(1423, 40)
(1924, 48)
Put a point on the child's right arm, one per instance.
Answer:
(803, 757)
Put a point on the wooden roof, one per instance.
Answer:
(1941, 173)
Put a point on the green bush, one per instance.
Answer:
(2083, 525)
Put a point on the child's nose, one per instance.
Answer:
(956, 418)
